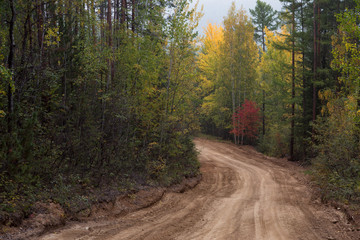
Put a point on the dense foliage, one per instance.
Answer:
(337, 146)
(246, 121)
(227, 63)
(95, 91)
(306, 80)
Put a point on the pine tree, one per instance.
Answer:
(263, 16)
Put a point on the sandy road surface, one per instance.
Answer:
(243, 195)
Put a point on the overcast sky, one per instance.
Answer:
(216, 10)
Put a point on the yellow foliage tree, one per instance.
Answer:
(210, 53)
(228, 63)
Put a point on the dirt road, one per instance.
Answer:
(243, 195)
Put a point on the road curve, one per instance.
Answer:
(243, 195)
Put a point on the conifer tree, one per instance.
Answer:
(263, 16)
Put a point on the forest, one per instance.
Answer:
(109, 94)
(287, 82)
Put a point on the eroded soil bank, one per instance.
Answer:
(50, 216)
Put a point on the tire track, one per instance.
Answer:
(243, 195)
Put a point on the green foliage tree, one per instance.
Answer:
(93, 97)
(336, 165)
(274, 68)
(264, 16)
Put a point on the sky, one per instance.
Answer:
(215, 10)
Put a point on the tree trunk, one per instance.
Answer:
(303, 83)
(23, 49)
(10, 66)
(111, 74)
(93, 20)
(233, 100)
(30, 40)
(166, 110)
(123, 12)
(243, 127)
(292, 136)
(102, 30)
(109, 22)
(263, 92)
(40, 27)
(40, 22)
(133, 16)
(117, 13)
(316, 52)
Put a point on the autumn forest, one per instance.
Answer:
(109, 94)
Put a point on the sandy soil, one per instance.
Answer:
(243, 195)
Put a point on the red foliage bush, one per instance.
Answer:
(246, 120)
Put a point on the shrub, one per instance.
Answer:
(336, 166)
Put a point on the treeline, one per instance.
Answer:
(95, 91)
(304, 76)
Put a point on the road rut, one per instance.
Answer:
(243, 195)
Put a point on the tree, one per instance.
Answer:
(246, 121)
(274, 69)
(10, 64)
(228, 71)
(336, 131)
(239, 56)
(212, 117)
(87, 92)
(263, 16)
(324, 25)
(346, 52)
(289, 16)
